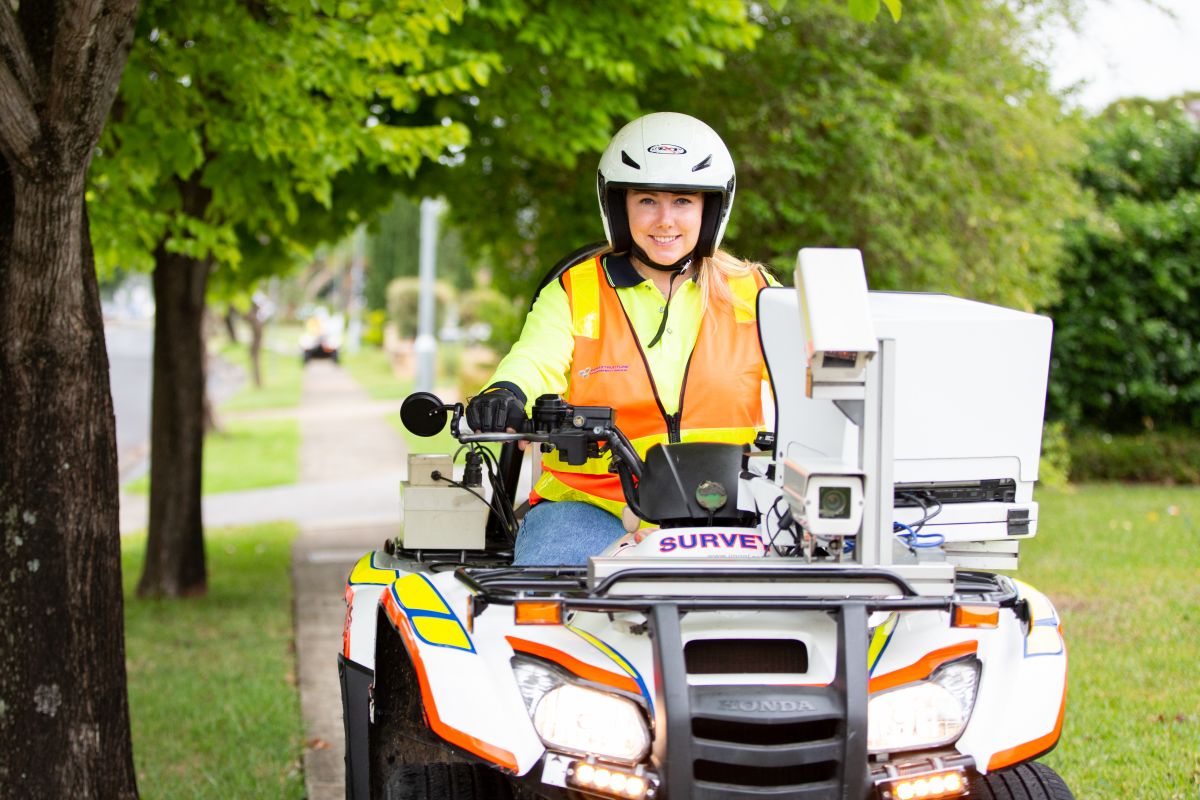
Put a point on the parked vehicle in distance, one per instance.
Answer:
(322, 337)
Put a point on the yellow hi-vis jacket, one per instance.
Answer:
(586, 339)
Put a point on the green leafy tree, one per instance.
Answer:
(246, 129)
(1127, 327)
(64, 716)
(570, 74)
(949, 170)
(268, 122)
(393, 249)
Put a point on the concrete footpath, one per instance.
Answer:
(353, 459)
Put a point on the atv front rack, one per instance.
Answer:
(708, 738)
(570, 586)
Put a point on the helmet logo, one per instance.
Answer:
(666, 149)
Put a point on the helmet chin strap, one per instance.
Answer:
(678, 266)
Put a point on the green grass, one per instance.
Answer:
(212, 689)
(247, 454)
(1122, 564)
(282, 373)
(371, 367)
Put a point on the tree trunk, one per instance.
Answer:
(211, 423)
(255, 318)
(231, 324)
(64, 720)
(175, 548)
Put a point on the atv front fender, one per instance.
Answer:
(468, 691)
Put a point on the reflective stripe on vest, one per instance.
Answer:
(611, 370)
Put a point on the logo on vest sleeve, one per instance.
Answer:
(587, 371)
(666, 149)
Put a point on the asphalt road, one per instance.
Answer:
(130, 350)
(130, 363)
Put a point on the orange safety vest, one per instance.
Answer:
(608, 368)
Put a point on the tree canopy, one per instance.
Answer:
(950, 171)
(246, 132)
(1127, 336)
(276, 109)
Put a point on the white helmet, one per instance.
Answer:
(666, 152)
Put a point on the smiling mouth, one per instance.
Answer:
(665, 239)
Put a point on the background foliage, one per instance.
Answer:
(271, 109)
(949, 170)
(571, 75)
(1127, 339)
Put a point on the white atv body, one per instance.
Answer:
(747, 653)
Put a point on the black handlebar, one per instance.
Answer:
(577, 432)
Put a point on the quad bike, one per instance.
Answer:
(811, 615)
(322, 337)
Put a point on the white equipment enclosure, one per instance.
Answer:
(947, 409)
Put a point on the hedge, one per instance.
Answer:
(1171, 457)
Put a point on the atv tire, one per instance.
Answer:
(1029, 781)
(399, 738)
(445, 782)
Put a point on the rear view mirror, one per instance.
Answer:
(424, 414)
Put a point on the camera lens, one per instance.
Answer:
(834, 502)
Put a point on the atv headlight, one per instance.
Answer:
(923, 714)
(578, 719)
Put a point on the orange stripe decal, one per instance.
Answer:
(497, 755)
(923, 668)
(570, 663)
(1034, 747)
(346, 625)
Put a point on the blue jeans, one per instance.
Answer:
(566, 533)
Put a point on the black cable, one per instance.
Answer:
(438, 476)
(502, 496)
(779, 550)
(501, 501)
(920, 499)
(509, 519)
(662, 325)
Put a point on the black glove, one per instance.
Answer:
(495, 410)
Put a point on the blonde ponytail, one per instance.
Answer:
(714, 275)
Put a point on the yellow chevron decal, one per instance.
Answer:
(416, 593)
(441, 631)
(428, 613)
(1043, 638)
(604, 648)
(366, 572)
(879, 640)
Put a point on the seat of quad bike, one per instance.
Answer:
(511, 456)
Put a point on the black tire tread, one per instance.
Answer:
(445, 782)
(399, 736)
(1029, 781)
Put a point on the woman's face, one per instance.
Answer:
(665, 225)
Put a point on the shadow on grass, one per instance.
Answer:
(212, 688)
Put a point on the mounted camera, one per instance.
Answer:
(838, 331)
(825, 498)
